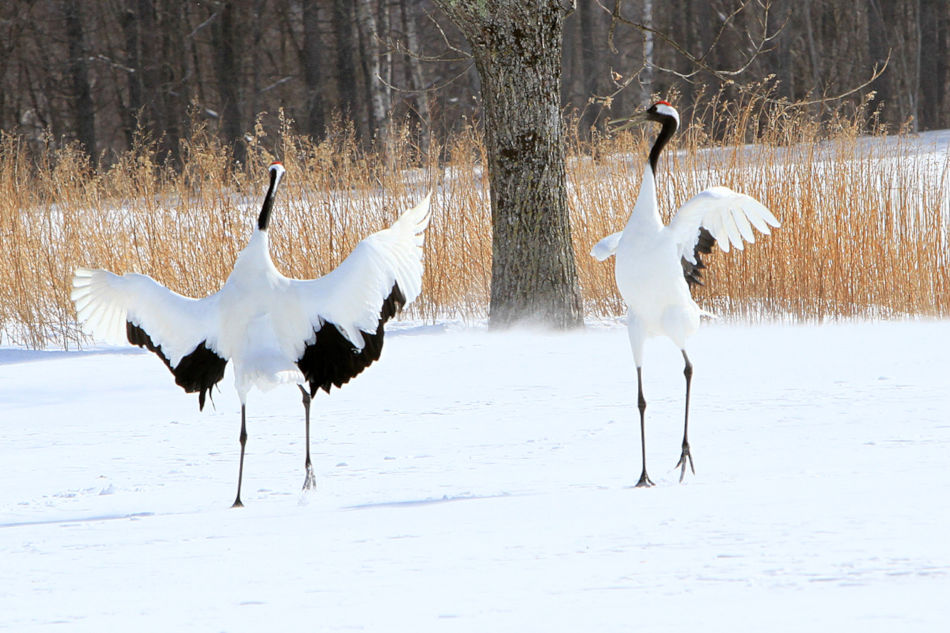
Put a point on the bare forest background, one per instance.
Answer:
(134, 135)
(106, 73)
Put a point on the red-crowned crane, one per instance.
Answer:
(656, 264)
(274, 330)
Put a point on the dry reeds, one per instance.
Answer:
(865, 219)
(864, 233)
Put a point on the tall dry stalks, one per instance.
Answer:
(864, 233)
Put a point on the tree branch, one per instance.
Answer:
(433, 88)
(699, 64)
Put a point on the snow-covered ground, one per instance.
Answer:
(473, 481)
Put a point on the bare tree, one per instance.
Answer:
(757, 39)
(79, 71)
(904, 38)
(375, 88)
(313, 61)
(93, 71)
(345, 47)
(517, 49)
(409, 11)
(646, 79)
(934, 66)
(227, 68)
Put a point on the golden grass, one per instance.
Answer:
(864, 233)
(865, 219)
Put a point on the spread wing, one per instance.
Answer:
(348, 307)
(717, 214)
(136, 308)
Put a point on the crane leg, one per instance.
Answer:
(685, 456)
(243, 438)
(645, 481)
(309, 480)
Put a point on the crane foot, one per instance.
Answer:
(685, 457)
(309, 482)
(645, 481)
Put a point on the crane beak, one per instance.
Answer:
(622, 124)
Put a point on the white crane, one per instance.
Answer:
(316, 333)
(656, 264)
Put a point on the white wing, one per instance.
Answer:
(105, 302)
(606, 247)
(728, 215)
(352, 295)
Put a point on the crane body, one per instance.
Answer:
(656, 263)
(274, 330)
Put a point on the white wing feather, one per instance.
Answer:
(352, 295)
(606, 247)
(728, 215)
(106, 301)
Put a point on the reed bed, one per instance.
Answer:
(864, 217)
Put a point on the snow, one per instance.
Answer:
(476, 481)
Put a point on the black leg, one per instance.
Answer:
(645, 481)
(309, 480)
(237, 500)
(685, 455)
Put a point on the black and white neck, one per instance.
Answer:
(276, 173)
(665, 114)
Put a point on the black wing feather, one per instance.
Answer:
(693, 272)
(331, 360)
(198, 371)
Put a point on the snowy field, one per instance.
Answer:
(473, 481)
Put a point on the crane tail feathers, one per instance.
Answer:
(606, 247)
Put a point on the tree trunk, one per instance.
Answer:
(256, 52)
(384, 30)
(149, 59)
(914, 78)
(410, 16)
(375, 91)
(174, 98)
(813, 55)
(343, 34)
(878, 50)
(83, 109)
(589, 66)
(227, 69)
(133, 111)
(517, 50)
(779, 19)
(646, 75)
(934, 70)
(313, 59)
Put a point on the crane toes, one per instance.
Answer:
(309, 482)
(645, 481)
(685, 456)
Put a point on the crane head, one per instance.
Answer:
(659, 112)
